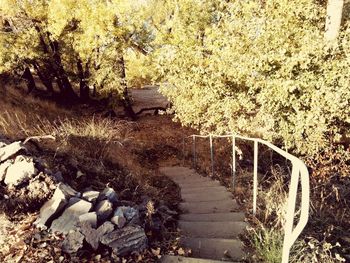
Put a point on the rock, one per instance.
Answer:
(90, 195)
(118, 218)
(3, 169)
(58, 176)
(126, 240)
(129, 213)
(90, 218)
(109, 194)
(55, 205)
(21, 170)
(79, 174)
(73, 242)
(104, 209)
(93, 236)
(70, 217)
(119, 221)
(10, 150)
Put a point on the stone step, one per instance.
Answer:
(206, 189)
(208, 207)
(212, 229)
(176, 171)
(210, 183)
(178, 259)
(217, 217)
(214, 248)
(192, 180)
(208, 224)
(205, 196)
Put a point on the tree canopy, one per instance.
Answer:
(260, 68)
(72, 41)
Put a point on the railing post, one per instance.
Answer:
(211, 154)
(233, 162)
(183, 151)
(255, 183)
(194, 152)
(288, 228)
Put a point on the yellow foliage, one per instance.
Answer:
(260, 69)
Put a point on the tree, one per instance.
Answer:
(72, 43)
(255, 68)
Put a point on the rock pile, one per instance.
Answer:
(15, 171)
(98, 217)
(24, 176)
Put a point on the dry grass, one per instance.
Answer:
(90, 135)
(25, 116)
(268, 232)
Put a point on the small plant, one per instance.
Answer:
(268, 244)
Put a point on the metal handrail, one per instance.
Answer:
(299, 171)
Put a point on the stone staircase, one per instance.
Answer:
(210, 223)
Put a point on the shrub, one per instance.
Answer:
(258, 69)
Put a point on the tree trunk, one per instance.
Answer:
(129, 111)
(47, 81)
(84, 88)
(333, 19)
(52, 49)
(67, 90)
(27, 75)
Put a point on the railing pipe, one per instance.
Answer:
(288, 228)
(183, 152)
(211, 154)
(194, 152)
(299, 170)
(255, 181)
(233, 162)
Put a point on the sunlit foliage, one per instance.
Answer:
(94, 34)
(260, 68)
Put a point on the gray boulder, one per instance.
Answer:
(58, 176)
(73, 242)
(109, 194)
(90, 195)
(118, 218)
(90, 218)
(3, 169)
(126, 240)
(55, 205)
(20, 171)
(93, 236)
(131, 214)
(10, 150)
(70, 217)
(104, 209)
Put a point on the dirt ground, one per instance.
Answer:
(130, 167)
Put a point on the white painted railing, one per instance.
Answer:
(299, 171)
